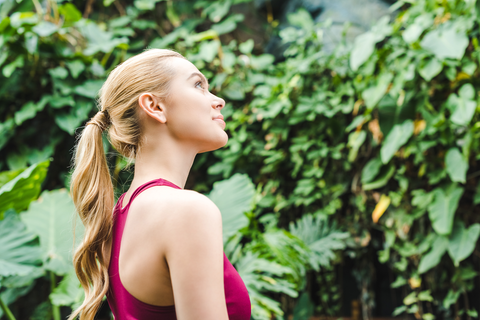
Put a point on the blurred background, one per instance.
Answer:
(350, 183)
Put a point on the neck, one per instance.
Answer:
(168, 160)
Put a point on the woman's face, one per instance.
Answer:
(191, 108)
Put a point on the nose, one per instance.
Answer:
(218, 102)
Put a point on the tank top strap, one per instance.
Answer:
(143, 187)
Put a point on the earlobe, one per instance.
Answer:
(153, 107)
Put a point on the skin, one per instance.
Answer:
(172, 250)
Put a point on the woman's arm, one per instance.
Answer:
(194, 255)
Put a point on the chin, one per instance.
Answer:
(217, 144)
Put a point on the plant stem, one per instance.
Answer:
(6, 310)
(55, 309)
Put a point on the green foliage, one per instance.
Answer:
(52, 218)
(20, 253)
(321, 135)
(233, 197)
(18, 192)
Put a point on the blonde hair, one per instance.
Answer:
(91, 184)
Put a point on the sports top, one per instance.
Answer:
(125, 306)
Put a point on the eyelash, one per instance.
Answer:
(199, 82)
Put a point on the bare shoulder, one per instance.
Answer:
(177, 210)
(185, 203)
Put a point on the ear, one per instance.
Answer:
(152, 106)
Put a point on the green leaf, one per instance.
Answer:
(7, 130)
(70, 12)
(430, 69)
(364, 44)
(451, 298)
(456, 165)
(19, 192)
(462, 106)
(322, 239)
(51, 218)
(396, 138)
(145, 4)
(414, 30)
(399, 282)
(355, 141)
(399, 310)
(208, 50)
(58, 72)
(228, 25)
(11, 67)
(246, 47)
(18, 19)
(262, 62)
(28, 111)
(57, 102)
(446, 42)
(7, 176)
(432, 258)
(233, 197)
(89, 88)
(462, 241)
(385, 174)
(371, 170)
(373, 94)
(69, 292)
(411, 298)
(301, 18)
(98, 40)
(45, 28)
(425, 296)
(69, 121)
(19, 252)
(442, 210)
(31, 42)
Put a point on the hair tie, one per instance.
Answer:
(101, 120)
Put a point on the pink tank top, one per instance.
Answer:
(124, 306)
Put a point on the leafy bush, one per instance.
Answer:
(378, 137)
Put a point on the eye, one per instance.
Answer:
(199, 83)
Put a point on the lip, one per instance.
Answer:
(218, 117)
(220, 121)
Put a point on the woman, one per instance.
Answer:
(166, 260)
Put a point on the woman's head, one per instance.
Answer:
(152, 96)
(155, 88)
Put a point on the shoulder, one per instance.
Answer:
(184, 203)
(178, 211)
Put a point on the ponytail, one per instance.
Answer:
(92, 193)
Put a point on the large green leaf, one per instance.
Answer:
(233, 197)
(430, 69)
(432, 258)
(20, 253)
(396, 138)
(371, 170)
(414, 30)
(446, 42)
(462, 241)
(51, 217)
(456, 165)
(69, 292)
(462, 107)
(383, 177)
(364, 44)
(442, 209)
(320, 237)
(373, 94)
(19, 192)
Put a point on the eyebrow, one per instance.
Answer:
(201, 76)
